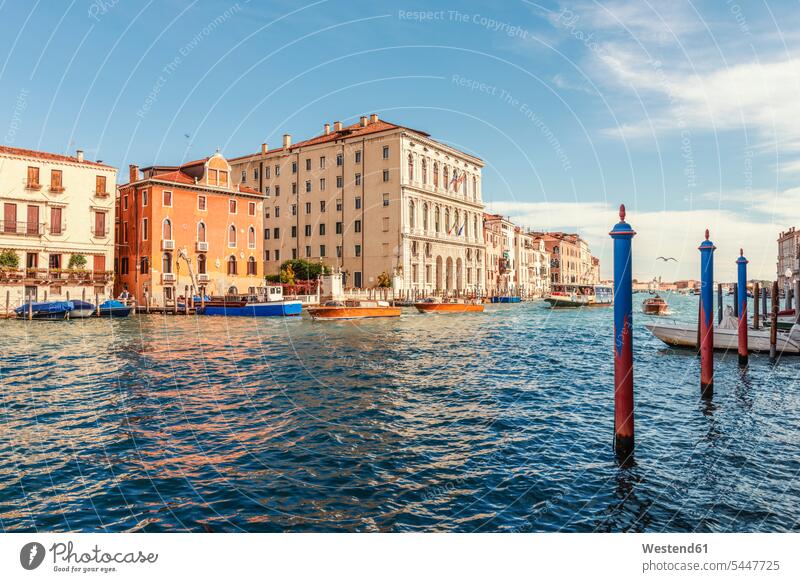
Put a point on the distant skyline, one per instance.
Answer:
(686, 112)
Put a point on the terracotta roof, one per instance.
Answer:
(180, 177)
(176, 176)
(195, 162)
(248, 190)
(48, 156)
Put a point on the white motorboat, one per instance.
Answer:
(726, 336)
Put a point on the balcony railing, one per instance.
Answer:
(17, 228)
(100, 232)
(32, 186)
(42, 276)
(99, 194)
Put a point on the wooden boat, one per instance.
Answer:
(432, 305)
(574, 296)
(45, 310)
(353, 309)
(726, 336)
(655, 305)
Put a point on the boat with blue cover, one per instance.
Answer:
(45, 310)
(114, 308)
(268, 304)
(505, 299)
(81, 309)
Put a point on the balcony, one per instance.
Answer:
(56, 189)
(32, 186)
(17, 228)
(35, 276)
(100, 194)
(168, 278)
(100, 232)
(203, 278)
(202, 246)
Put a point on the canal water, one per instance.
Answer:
(493, 422)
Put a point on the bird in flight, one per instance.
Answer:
(666, 259)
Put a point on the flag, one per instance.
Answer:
(460, 230)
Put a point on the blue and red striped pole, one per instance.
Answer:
(741, 263)
(622, 233)
(706, 317)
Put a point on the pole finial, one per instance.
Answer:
(741, 252)
(622, 212)
(707, 235)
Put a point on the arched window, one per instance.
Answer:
(446, 176)
(411, 217)
(435, 174)
(464, 185)
(232, 265)
(232, 290)
(454, 181)
(475, 226)
(166, 263)
(436, 224)
(425, 217)
(410, 167)
(424, 171)
(201, 231)
(251, 266)
(201, 264)
(166, 230)
(474, 188)
(251, 237)
(447, 226)
(231, 236)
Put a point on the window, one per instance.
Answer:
(201, 202)
(278, 170)
(321, 251)
(358, 180)
(124, 232)
(231, 236)
(125, 202)
(425, 217)
(267, 232)
(100, 186)
(386, 200)
(357, 226)
(339, 228)
(446, 174)
(358, 157)
(294, 209)
(358, 254)
(322, 206)
(322, 162)
(123, 265)
(255, 173)
(266, 255)
(410, 167)
(33, 177)
(358, 202)
(294, 231)
(322, 183)
(166, 229)
(277, 191)
(251, 266)
(99, 222)
(411, 214)
(436, 224)
(201, 264)
(386, 175)
(308, 207)
(56, 185)
(244, 175)
(166, 198)
(338, 205)
(144, 265)
(251, 208)
(294, 168)
(424, 171)
(166, 263)
(339, 159)
(145, 228)
(308, 251)
(338, 252)
(266, 171)
(145, 197)
(339, 181)
(308, 185)
(308, 164)
(385, 224)
(231, 206)
(357, 278)
(435, 175)
(385, 152)
(266, 191)
(294, 254)
(201, 231)
(276, 233)
(294, 187)
(307, 230)
(232, 265)
(277, 254)
(277, 212)
(223, 178)
(322, 229)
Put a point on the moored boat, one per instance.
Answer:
(114, 308)
(574, 296)
(81, 309)
(433, 305)
(268, 304)
(655, 305)
(505, 299)
(353, 309)
(45, 310)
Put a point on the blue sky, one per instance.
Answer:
(686, 112)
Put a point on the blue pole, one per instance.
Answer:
(741, 264)
(622, 233)
(706, 317)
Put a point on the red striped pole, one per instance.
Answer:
(706, 317)
(741, 264)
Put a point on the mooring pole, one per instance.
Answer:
(764, 293)
(797, 301)
(706, 317)
(719, 303)
(756, 296)
(736, 299)
(741, 264)
(622, 233)
(773, 330)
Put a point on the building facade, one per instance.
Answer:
(534, 265)
(500, 238)
(378, 201)
(180, 226)
(57, 217)
(571, 261)
(788, 258)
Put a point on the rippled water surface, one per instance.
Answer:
(501, 421)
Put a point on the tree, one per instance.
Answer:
(305, 270)
(9, 259)
(384, 280)
(77, 262)
(287, 274)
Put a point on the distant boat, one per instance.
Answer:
(114, 308)
(433, 305)
(268, 304)
(655, 305)
(353, 309)
(574, 296)
(45, 310)
(505, 299)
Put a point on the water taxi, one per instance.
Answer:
(505, 299)
(353, 309)
(269, 303)
(573, 296)
(434, 305)
(655, 305)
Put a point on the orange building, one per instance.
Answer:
(187, 225)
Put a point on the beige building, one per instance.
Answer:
(571, 261)
(533, 271)
(58, 217)
(375, 200)
(788, 258)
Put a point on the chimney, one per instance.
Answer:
(134, 173)
(337, 126)
(363, 121)
(287, 141)
(327, 129)
(373, 118)
(264, 148)
(80, 155)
